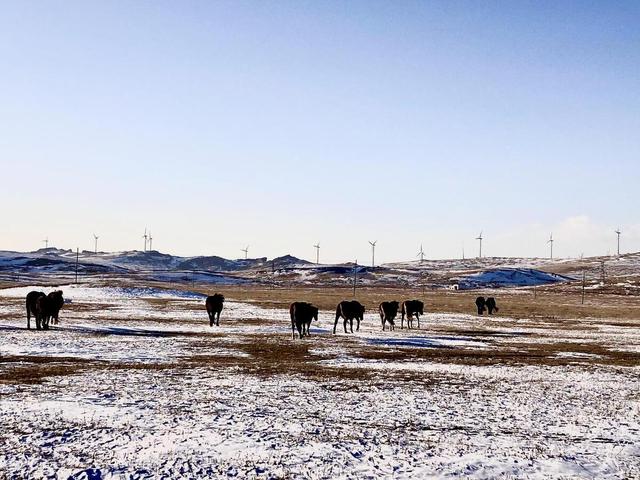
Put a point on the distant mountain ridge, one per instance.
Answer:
(60, 260)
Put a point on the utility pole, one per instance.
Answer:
(77, 255)
(355, 277)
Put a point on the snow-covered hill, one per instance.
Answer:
(453, 273)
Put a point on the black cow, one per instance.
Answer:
(481, 305)
(388, 313)
(491, 305)
(409, 309)
(55, 301)
(302, 313)
(48, 307)
(214, 304)
(32, 298)
(349, 310)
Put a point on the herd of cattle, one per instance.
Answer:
(46, 308)
(303, 313)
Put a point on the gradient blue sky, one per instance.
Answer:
(279, 124)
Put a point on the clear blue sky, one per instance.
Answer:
(279, 124)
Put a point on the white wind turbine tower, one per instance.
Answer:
(95, 246)
(373, 252)
(421, 254)
(317, 247)
(150, 241)
(145, 236)
(618, 232)
(479, 237)
(246, 251)
(550, 242)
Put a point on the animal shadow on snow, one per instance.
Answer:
(134, 332)
(422, 342)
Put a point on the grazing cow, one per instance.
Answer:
(302, 313)
(32, 298)
(55, 301)
(388, 312)
(214, 304)
(42, 312)
(411, 308)
(481, 304)
(349, 310)
(491, 305)
(48, 307)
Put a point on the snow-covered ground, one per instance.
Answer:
(139, 386)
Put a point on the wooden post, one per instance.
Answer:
(583, 284)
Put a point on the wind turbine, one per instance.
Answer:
(150, 241)
(246, 251)
(421, 254)
(550, 242)
(317, 247)
(46, 242)
(95, 239)
(373, 252)
(479, 237)
(145, 236)
(618, 232)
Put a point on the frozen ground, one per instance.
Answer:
(134, 384)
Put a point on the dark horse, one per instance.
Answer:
(491, 305)
(214, 305)
(44, 308)
(349, 310)
(32, 298)
(302, 313)
(481, 304)
(388, 312)
(411, 308)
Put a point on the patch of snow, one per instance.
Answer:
(513, 277)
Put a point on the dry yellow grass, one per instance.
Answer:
(546, 303)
